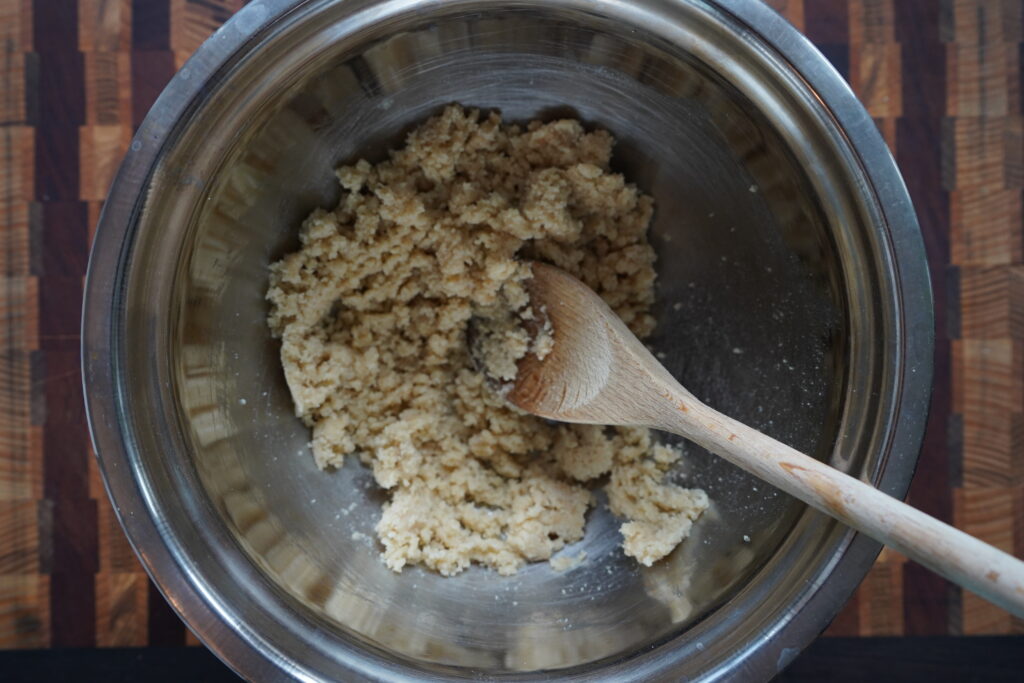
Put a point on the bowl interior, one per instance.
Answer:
(753, 310)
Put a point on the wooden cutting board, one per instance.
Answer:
(942, 78)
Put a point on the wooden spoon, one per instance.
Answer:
(599, 373)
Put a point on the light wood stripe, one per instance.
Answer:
(101, 149)
(122, 611)
(986, 227)
(17, 168)
(104, 25)
(16, 25)
(12, 84)
(792, 10)
(193, 22)
(985, 512)
(985, 21)
(19, 537)
(987, 375)
(986, 80)
(875, 77)
(992, 302)
(108, 89)
(24, 611)
(986, 151)
(872, 22)
(982, 618)
(992, 448)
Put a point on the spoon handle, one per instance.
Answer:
(599, 373)
(961, 558)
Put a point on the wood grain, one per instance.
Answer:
(942, 78)
(986, 182)
(986, 227)
(24, 589)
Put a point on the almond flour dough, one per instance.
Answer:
(372, 312)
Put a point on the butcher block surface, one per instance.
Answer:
(942, 79)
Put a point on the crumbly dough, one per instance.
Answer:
(499, 338)
(564, 563)
(373, 309)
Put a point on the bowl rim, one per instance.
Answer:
(230, 640)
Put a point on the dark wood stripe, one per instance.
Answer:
(151, 24)
(59, 99)
(61, 221)
(74, 542)
(1020, 76)
(65, 239)
(827, 21)
(150, 72)
(951, 282)
(165, 628)
(928, 602)
(847, 622)
(827, 24)
(919, 152)
(923, 59)
(65, 246)
(954, 421)
(956, 450)
(930, 490)
(920, 157)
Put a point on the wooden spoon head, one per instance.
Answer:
(579, 364)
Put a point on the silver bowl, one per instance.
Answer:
(793, 294)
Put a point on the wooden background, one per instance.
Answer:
(942, 78)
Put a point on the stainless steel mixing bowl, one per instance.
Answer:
(793, 294)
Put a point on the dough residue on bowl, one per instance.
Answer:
(373, 309)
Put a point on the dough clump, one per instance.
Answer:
(372, 313)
